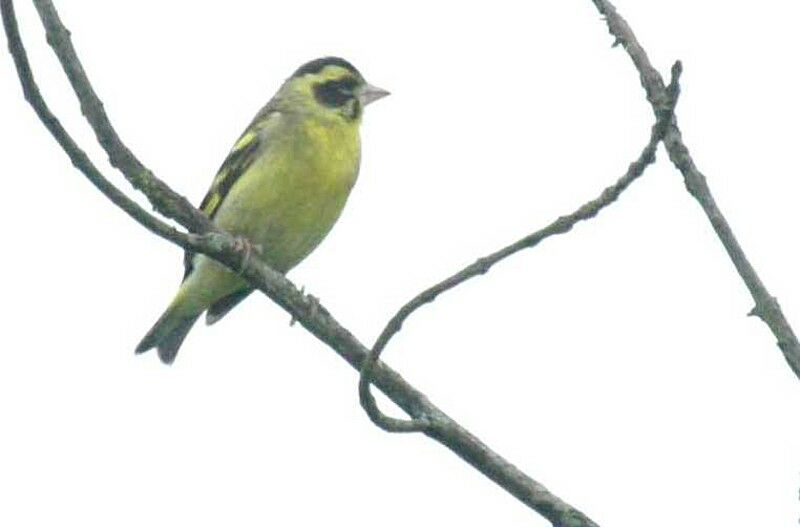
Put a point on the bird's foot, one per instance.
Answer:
(246, 248)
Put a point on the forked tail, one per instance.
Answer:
(167, 334)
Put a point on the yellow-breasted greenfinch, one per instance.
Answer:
(281, 188)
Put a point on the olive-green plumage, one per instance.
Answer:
(281, 188)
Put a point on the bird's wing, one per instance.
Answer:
(241, 156)
(239, 159)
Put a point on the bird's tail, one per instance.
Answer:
(168, 332)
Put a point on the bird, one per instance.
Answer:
(280, 190)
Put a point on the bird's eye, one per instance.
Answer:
(335, 93)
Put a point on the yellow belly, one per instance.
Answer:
(286, 203)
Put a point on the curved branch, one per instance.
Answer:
(482, 265)
(304, 308)
(766, 305)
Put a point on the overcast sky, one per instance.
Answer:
(615, 365)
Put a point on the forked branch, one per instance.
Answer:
(766, 305)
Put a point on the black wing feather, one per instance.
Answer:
(238, 161)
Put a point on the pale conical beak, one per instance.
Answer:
(370, 93)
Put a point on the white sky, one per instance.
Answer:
(614, 364)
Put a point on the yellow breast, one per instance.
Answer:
(289, 199)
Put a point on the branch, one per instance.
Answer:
(481, 266)
(766, 305)
(223, 248)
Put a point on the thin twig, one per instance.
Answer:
(482, 265)
(766, 305)
(169, 203)
(223, 248)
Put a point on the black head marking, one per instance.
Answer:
(315, 66)
(336, 92)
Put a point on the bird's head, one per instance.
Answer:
(330, 87)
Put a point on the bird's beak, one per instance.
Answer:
(371, 94)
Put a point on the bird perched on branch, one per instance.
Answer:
(281, 189)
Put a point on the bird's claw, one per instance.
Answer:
(247, 248)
